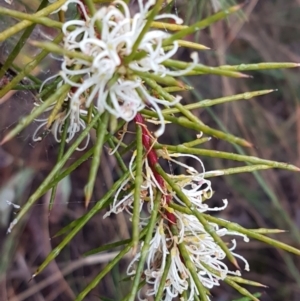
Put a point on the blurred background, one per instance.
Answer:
(266, 31)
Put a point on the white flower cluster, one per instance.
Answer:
(106, 79)
(200, 187)
(205, 254)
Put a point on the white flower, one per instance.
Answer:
(106, 79)
(193, 184)
(205, 254)
(76, 123)
(201, 245)
(123, 199)
(156, 259)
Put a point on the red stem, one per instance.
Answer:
(80, 10)
(152, 159)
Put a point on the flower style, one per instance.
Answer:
(125, 202)
(76, 123)
(106, 78)
(193, 183)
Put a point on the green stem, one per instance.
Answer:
(145, 248)
(237, 228)
(225, 155)
(98, 206)
(34, 197)
(201, 24)
(16, 50)
(25, 121)
(245, 281)
(138, 181)
(54, 48)
(101, 130)
(28, 68)
(31, 77)
(184, 122)
(200, 69)
(163, 280)
(107, 269)
(212, 102)
(167, 80)
(240, 289)
(23, 24)
(208, 130)
(194, 121)
(108, 247)
(197, 214)
(145, 29)
(190, 266)
(92, 10)
(26, 87)
(59, 156)
(197, 142)
(117, 155)
(259, 66)
(33, 18)
(71, 168)
(235, 170)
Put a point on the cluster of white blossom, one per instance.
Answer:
(204, 252)
(107, 38)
